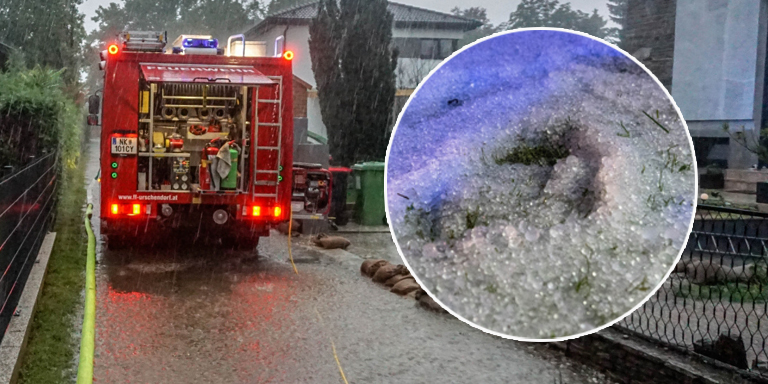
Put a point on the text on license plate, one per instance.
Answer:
(124, 145)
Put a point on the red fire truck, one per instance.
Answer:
(194, 136)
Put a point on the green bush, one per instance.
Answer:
(37, 117)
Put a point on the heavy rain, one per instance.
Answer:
(192, 191)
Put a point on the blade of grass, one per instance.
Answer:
(656, 121)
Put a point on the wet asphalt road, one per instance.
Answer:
(181, 314)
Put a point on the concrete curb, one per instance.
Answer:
(627, 359)
(15, 339)
(357, 228)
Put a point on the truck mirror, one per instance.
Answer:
(93, 119)
(94, 105)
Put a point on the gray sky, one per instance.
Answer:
(498, 10)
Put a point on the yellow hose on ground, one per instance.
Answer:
(333, 348)
(290, 255)
(85, 366)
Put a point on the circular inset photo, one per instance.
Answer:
(540, 184)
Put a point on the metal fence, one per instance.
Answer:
(718, 288)
(27, 201)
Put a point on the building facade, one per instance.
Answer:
(423, 37)
(711, 54)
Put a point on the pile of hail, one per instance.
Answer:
(558, 219)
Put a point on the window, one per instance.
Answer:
(446, 48)
(407, 47)
(428, 49)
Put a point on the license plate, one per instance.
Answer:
(297, 206)
(124, 145)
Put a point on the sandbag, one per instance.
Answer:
(681, 266)
(375, 267)
(706, 272)
(396, 278)
(295, 228)
(405, 286)
(330, 242)
(386, 272)
(427, 302)
(367, 264)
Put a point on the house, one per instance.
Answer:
(423, 37)
(712, 56)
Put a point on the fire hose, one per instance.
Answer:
(319, 318)
(85, 365)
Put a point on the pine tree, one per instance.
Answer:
(550, 13)
(325, 34)
(618, 13)
(354, 67)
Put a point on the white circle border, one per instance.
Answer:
(639, 304)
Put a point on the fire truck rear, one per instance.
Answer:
(194, 136)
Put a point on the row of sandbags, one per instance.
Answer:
(719, 270)
(399, 280)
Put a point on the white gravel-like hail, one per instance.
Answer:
(564, 244)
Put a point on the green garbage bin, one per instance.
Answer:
(369, 187)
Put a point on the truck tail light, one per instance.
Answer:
(128, 209)
(288, 55)
(113, 49)
(259, 211)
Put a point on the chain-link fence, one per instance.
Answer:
(27, 201)
(718, 288)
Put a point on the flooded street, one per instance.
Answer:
(177, 313)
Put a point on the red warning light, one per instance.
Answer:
(288, 55)
(112, 49)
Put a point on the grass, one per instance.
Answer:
(544, 153)
(625, 133)
(472, 218)
(756, 292)
(584, 283)
(656, 121)
(51, 349)
(421, 220)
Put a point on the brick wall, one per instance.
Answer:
(650, 35)
(299, 97)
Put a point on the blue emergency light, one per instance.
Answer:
(200, 43)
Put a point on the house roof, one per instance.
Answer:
(299, 81)
(405, 16)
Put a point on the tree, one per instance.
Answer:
(49, 33)
(617, 10)
(550, 13)
(479, 14)
(281, 5)
(354, 67)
